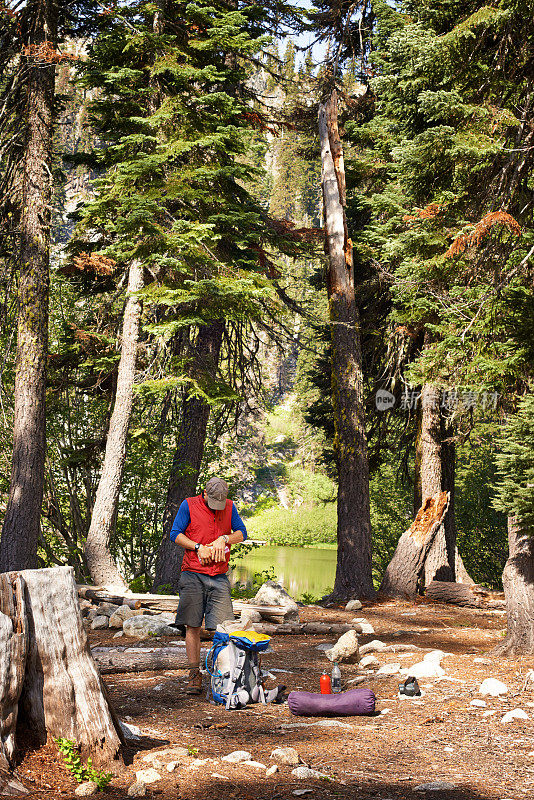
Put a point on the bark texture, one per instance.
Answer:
(518, 583)
(139, 659)
(102, 567)
(461, 594)
(187, 458)
(47, 674)
(21, 528)
(353, 571)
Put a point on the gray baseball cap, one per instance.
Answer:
(216, 493)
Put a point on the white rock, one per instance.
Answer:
(364, 627)
(436, 655)
(137, 789)
(255, 765)
(118, 635)
(300, 792)
(86, 789)
(516, 713)
(325, 646)
(145, 626)
(389, 669)
(272, 770)
(493, 687)
(285, 755)
(478, 703)
(237, 755)
(172, 765)
(370, 662)
(272, 594)
(146, 776)
(100, 623)
(123, 612)
(371, 647)
(489, 713)
(353, 605)
(345, 649)
(306, 772)
(221, 777)
(482, 661)
(424, 669)
(358, 679)
(435, 786)
(250, 615)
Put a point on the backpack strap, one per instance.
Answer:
(236, 674)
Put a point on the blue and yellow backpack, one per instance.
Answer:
(234, 667)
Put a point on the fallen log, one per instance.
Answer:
(139, 659)
(166, 602)
(305, 628)
(465, 595)
(62, 693)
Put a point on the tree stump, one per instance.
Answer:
(406, 569)
(47, 674)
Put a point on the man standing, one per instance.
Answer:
(205, 526)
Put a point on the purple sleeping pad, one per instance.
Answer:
(356, 702)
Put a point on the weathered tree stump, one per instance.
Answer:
(139, 659)
(406, 568)
(47, 674)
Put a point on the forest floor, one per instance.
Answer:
(439, 737)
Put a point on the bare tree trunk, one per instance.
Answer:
(518, 583)
(101, 565)
(21, 528)
(52, 682)
(353, 571)
(187, 458)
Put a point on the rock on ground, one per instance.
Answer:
(149, 775)
(365, 626)
(493, 687)
(100, 622)
(107, 609)
(255, 764)
(285, 755)
(369, 662)
(272, 770)
(137, 789)
(353, 605)
(237, 756)
(429, 667)
(371, 647)
(345, 649)
(272, 594)
(86, 789)
(516, 713)
(250, 615)
(143, 627)
(306, 772)
(123, 612)
(389, 669)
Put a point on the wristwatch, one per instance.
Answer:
(226, 537)
(197, 547)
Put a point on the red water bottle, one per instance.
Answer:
(325, 683)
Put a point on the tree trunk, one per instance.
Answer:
(101, 565)
(187, 458)
(460, 594)
(518, 583)
(62, 692)
(139, 659)
(21, 528)
(435, 464)
(405, 573)
(353, 571)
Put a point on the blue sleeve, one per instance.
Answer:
(237, 522)
(181, 521)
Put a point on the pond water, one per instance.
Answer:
(298, 569)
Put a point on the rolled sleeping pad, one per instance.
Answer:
(356, 702)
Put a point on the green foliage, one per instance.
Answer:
(515, 465)
(79, 771)
(245, 592)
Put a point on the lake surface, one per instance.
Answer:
(298, 569)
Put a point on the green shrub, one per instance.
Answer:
(81, 772)
(295, 526)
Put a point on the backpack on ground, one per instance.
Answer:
(234, 667)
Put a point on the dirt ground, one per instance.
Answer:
(439, 737)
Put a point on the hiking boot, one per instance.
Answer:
(194, 684)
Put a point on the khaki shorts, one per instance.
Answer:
(203, 596)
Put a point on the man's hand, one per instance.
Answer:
(218, 547)
(205, 554)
